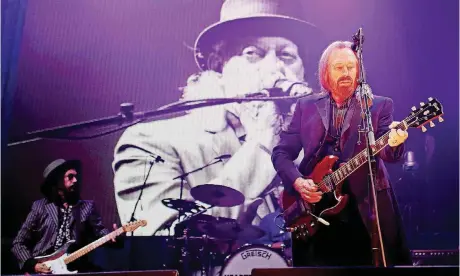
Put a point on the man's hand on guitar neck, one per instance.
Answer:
(42, 268)
(397, 136)
(115, 227)
(307, 190)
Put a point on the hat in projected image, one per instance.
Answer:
(255, 17)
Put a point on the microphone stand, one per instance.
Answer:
(378, 252)
(157, 159)
(132, 219)
(126, 117)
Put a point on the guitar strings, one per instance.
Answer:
(363, 154)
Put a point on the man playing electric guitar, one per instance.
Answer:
(57, 219)
(326, 124)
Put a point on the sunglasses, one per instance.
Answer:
(71, 176)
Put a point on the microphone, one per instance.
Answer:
(223, 156)
(410, 164)
(366, 90)
(159, 159)
(156, 158)
(283, 87)
(358, 40)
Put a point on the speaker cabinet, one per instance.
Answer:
(358, 271)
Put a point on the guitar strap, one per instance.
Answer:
(349, 146)
(78, 222)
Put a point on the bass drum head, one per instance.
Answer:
(245, 259)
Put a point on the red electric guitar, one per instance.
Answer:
(303, 217)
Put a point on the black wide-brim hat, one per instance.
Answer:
(54, 170)
(259, 18)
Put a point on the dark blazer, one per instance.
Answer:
(307, 132)
(38, 234)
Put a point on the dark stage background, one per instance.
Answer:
(79, 59)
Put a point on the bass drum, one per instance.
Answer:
(248, 257)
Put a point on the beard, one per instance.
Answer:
(71, 195)
(346, 90)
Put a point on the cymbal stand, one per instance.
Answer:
(185, 255)
(204, 259)
(185, 252)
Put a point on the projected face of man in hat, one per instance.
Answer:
(255, 44)
(251, 63)
(254, 63)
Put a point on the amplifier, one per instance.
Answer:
(359, 271)
(435, 257)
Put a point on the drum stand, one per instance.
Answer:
(184, 254)
(205, 260)
(283, 252)
(205, 257)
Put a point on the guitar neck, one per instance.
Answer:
(330, 181)
(90, 247)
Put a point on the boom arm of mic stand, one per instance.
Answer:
(127, 116)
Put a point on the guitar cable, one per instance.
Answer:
(292, 229)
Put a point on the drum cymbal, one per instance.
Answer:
(198, 222)
(224, 228)
(185, 206)
(217, 195)
(200, 219)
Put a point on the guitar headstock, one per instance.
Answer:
(130, 227)
(425, 114)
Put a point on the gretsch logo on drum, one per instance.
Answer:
(256, 253)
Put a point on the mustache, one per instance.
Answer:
(347, 78)
(72, 189)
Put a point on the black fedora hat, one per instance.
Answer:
(54, 169)
(255, 17)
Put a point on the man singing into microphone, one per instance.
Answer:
(327, 124)
(254, 44)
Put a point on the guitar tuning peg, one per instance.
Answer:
(413, 108)
(423, 129)
(431, 124)
(422, 103)
(441, 119)
(430, 99)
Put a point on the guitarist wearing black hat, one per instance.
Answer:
(52, 222)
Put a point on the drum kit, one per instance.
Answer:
(203, 242)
